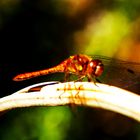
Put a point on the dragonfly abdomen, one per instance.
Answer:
(29, 75)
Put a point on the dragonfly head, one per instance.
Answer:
(95, 67)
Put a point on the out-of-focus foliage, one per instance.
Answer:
(7, 9)
(50, 123)
(105, 36)
(36, 34)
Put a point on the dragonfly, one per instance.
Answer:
(96, 68)
(80, 65)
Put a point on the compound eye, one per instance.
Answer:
(97, 67)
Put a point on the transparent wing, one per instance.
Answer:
(120, 73)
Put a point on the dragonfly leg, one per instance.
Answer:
(80, 78)
(66, 77)
(92, 79)
(98, 80)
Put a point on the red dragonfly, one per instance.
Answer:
(80, 65)
(108, 70)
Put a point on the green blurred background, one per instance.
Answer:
(37, 34)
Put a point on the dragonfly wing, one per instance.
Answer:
(120, 73)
